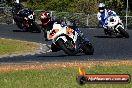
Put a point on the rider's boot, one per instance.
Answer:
(45, 35)
(106, 31)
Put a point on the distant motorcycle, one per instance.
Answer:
(116, 27)
(29, 20)
(68, 40)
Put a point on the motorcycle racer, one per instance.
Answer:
(15, 9)
(70, 40)
(46, 22)
(102, 16)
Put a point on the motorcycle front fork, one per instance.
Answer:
(80, 43)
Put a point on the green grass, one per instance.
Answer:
(8, 46)
(60, 78)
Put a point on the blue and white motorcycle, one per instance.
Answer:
(115, 26)
(69, 40)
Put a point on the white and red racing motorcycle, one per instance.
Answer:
(68, 40)
(116, 27)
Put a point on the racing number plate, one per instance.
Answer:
(52, 33)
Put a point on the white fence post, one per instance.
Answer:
(88, 20)
(126, 14)
(13, 21)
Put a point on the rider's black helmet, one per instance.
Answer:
(17, 5)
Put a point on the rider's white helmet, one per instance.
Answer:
(16, 1)
(101, 7)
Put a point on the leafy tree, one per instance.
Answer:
(85, 6)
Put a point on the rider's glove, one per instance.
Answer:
(111, 14)
(101, 22)
(105, 23)
(77, 30)
(25, 18)
(104, 26)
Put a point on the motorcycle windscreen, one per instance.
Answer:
(112, 21)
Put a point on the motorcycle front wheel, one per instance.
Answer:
(88, 48)
(123, 32)
(65, 48)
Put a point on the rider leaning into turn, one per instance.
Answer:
(15, 9)
(102, 16)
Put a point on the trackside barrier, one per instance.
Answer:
(81, 19)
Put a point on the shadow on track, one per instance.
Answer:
(19, 31)
(25, 31)
(108, 36)
(57, 55)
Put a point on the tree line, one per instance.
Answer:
(83, 6)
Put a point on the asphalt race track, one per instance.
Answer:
(106, 48)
